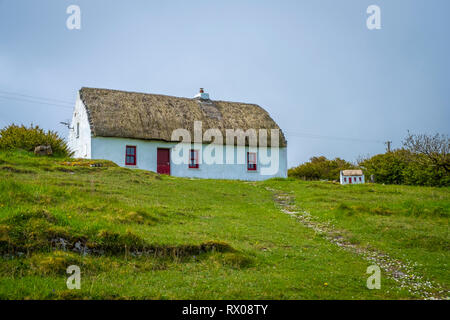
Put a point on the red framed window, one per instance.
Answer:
(130, 156)
(251, 161)
(193, 158)
(345, 179)
(360, 180)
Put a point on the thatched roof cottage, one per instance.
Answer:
(355, 176)
(187, 137)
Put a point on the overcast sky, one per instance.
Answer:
(334, 87)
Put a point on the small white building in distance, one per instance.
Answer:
(352, 177)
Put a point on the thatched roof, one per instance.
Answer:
(114, 113)
(352, 172)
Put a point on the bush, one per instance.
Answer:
(20, 137)
(386, 168)
(320, 168)
(404, 167)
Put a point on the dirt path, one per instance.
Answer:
(395, 269)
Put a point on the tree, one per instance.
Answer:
(386, 168)
(423, 160)
(429, 150)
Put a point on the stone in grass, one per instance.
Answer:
(43, 150)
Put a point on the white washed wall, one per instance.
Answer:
(353, 179)
(114, 149)
(81, 146)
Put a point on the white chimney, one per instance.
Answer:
(202, 95)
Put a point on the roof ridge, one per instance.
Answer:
(166, 95)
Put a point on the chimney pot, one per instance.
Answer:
(202, 95)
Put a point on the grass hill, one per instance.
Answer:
(139, 235)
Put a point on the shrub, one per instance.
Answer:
(404, 167)
(320, 168)
(27, 138)
(386, 168)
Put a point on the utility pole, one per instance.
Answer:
(388, 143)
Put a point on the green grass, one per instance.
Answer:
(159, 237)
(408, 222)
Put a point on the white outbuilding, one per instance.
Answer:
(352, 177)
(185, 137)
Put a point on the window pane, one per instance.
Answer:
(130, 151)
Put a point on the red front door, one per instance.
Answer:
(350, 180)
(163, 161)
